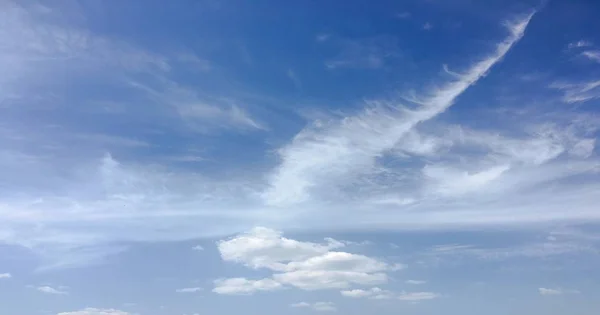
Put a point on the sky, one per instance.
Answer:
(299, 157)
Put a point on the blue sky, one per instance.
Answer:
(269, 157)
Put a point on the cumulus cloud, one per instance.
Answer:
(317, 306)
(198, 248)
(96, 311)
(189, 290)
(50, 290)
(304, 265)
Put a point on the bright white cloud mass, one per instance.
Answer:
(304, 265)
(230, 157)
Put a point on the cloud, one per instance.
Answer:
(368, 53)
(417, 296)
(5, 276)
(380, 294)
(415, 282)
(580, 44)
(291, 74)
(198, 248)
(266, 248)
(386, 166)
(545, 291)
(373, 293)
(189, 290)
(317, 306)
(330, 154)
(403, 15)
(427, 26)
(304, 265)
(50, 290)
(243, 286)
(96, 311)
(579, 92)
(323, 37)
(593, 55)
(560, 243)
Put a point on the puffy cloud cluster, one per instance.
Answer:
(304, 265)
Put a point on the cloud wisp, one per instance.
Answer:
(323, 155)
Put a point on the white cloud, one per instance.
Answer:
(579, 92)
(328, 155)
(198, 248)
(580, 44)
(189, 290)
(380, 294)
(328, 279)
(324, 307)
(266, 248)
(593, 55)
(415, 281)
(243, 286)
(5, 275)
(373, 293)
(305, 265)
(545, 291)
(96, 311)
(417, 296)
(317, 306)
(51, 290)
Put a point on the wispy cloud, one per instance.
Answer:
(593, 55)
(189, 290)
(379, 294)
(317, 306)
(96, 311)
(5, 276)
(340, 149)
(403, 15)
(368, 53)
(50, 290)
(578, 92)
(580, 44)
(556, 291)
(243, 286)
(545, 291)
(294, 78)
